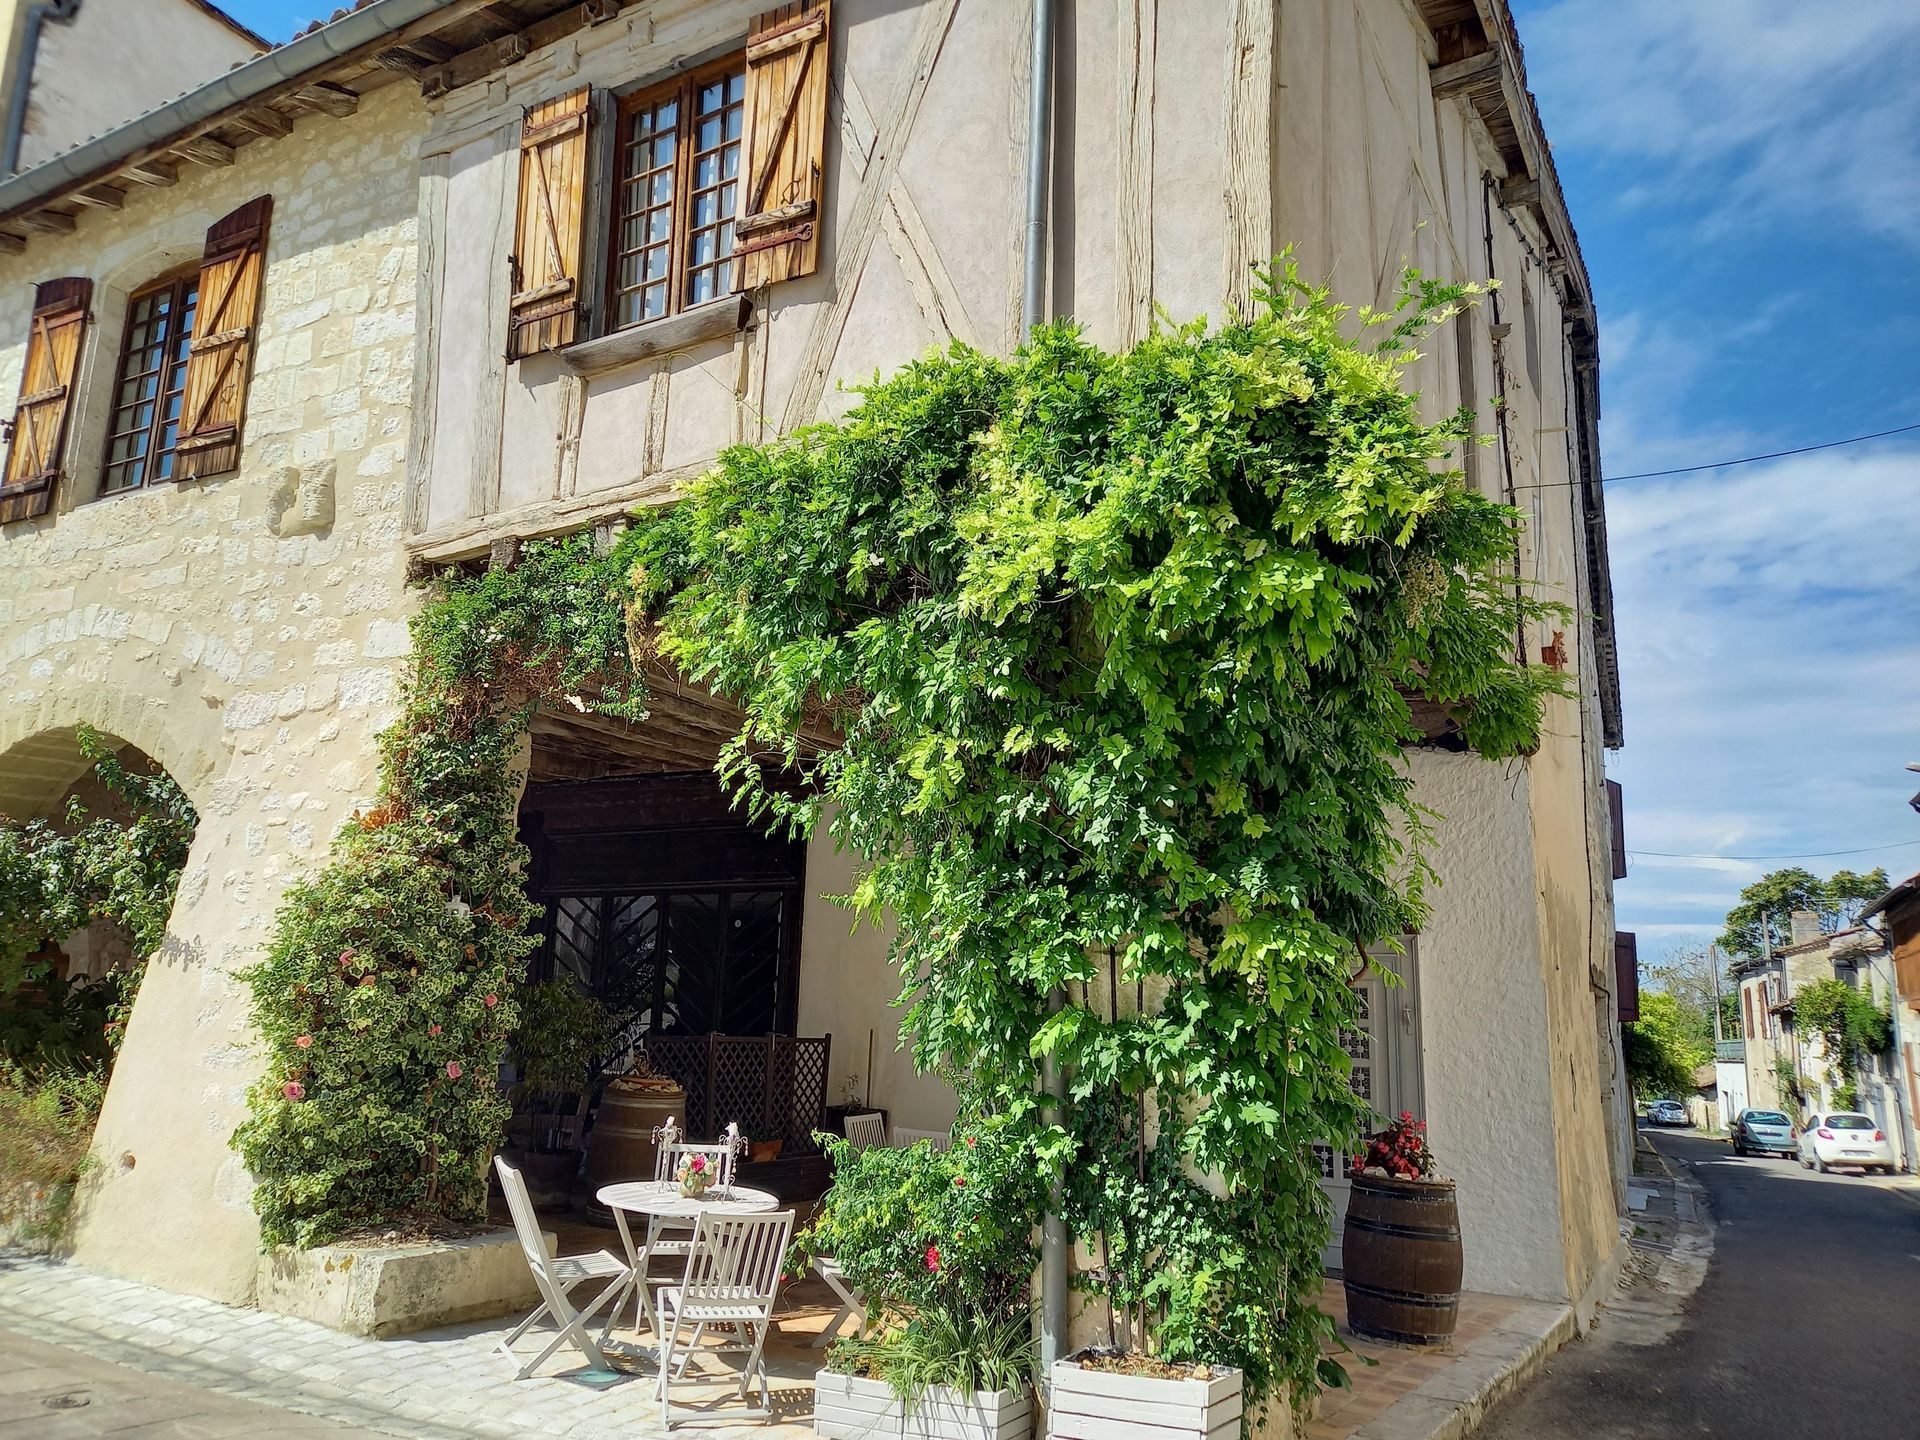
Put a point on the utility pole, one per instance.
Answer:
(1713, 975)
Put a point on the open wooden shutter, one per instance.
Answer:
(46, 389)
(777, 236)
(549, 228)
(220, 354)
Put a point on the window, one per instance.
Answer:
(150, 383)
(677, 155)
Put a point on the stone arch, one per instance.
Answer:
(179, 732)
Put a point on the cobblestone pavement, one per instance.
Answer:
(51, 1393)
(448, 1384)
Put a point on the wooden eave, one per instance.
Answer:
(463, 40)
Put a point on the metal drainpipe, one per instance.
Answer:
(38, 14)
(1033, 311)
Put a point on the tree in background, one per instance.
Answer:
(1763, 919)
(1665, 1046)
(1687, 974)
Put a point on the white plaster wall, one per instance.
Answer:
(256, 666)
(847, 989)
(116, 59)
(1484, 1026)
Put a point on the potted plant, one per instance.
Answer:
(763, 1148)
(940, 1244)
(1102, 1394)
(1401, 1249)
(561, 1034)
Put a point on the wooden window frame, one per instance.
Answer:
(682, 88)
(173, 378)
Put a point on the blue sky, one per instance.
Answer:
(1745, 177)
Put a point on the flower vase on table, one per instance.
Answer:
(695, 1175)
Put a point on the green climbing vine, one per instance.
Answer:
(1100, 664)
(1849, 1025)
(387, 996)
(1117, 649)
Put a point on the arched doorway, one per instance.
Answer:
(93, 836)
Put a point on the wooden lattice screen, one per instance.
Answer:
(773, 1086)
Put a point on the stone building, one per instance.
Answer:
(521, 268)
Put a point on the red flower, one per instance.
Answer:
(453, 1069)
(1406, 1115)
(960, 1180)
(433, 1029)
(698, 1164)
(294, 1090)
(933, 1259)
(969, 1142)
(492, 1000)
(345, 956)
(305, 1042)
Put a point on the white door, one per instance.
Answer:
(1385, 1049)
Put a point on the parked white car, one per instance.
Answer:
(1667, 1112)
(1844, 1139)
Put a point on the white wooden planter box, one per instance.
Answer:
(849, 1408)
(1100, 1405)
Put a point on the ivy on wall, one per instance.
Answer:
(389, 991)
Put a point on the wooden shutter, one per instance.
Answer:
(549, 228)
(46, 389)
(777, 236)
(220, 355)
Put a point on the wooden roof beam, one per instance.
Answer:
(11, 244)
(52, 222)
(328, 98)
(100, 197)
(1460, 76)
(151, 171)
(263, 120)
(205, 150)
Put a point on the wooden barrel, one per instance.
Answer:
(1402, 1261)
(621, 1146)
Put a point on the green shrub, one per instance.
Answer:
(46, 1125)
(564, 1033)
(941, 1242)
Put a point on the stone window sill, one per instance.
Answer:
(712, 321)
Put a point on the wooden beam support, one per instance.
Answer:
(264, 121)
(1514, 194)
(53, 222)
(328, 98)
(151, 171)
(11, 244)
(205, 150)
(1452, 79)
(100, 197)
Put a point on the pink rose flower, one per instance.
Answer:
(698, 1164)
(305, 1042)
(492, 1000)
(433, 1029)
(453, 1069)
(294, 1090)
(933, 1258)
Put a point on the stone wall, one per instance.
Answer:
(246, 631)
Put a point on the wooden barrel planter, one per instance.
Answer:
(1402, 1260)
(621, 1147)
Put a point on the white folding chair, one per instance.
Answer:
(732, 1279)
(673, 1238)
(868, 1131)
(556, 1280)
(853, 1301)
(938, 1139)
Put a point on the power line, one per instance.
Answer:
(1773, 455)
(1804, 855)
(1724, 464)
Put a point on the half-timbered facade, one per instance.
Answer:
(452, 276)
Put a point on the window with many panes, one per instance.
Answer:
(149, 383)
(676, 191)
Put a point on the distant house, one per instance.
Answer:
(1776, 1048)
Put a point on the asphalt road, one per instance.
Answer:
(1807, 1325)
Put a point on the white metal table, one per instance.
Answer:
(660, 1201)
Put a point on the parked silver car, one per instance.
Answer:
(1764, 1132)
(1843, 1140)
(1667, 1112)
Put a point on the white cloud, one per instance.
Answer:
(1769, 628)
(1743, 105)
